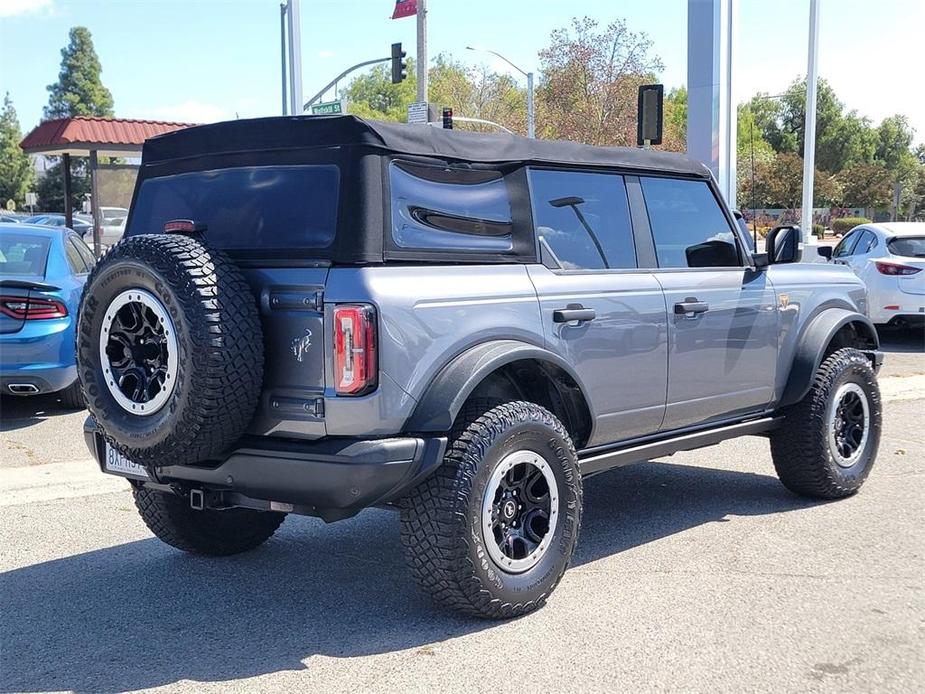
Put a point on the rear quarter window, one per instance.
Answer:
(253, 207)
(436, 208)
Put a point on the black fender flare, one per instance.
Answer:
(811, 348)
(454, 383)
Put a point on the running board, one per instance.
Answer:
(599, 462)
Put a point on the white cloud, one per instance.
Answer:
(189, 111)
(14, 8)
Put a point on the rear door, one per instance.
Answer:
(600, 312)
(268, 219)
(722, 314)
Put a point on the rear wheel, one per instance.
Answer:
(828, 441)
(491, 532)
(208, 532)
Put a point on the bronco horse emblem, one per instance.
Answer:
(301, 344)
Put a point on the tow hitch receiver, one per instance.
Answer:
(197, 499)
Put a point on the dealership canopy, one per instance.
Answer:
(87, 136)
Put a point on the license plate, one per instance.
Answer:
(118, 464)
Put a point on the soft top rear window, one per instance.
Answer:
(909, 246)
(248, 207)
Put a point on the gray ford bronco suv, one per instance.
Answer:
(319, 315)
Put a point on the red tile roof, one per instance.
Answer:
(87, 130)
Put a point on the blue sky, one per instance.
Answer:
(206, 60)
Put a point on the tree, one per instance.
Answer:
(674, 120)
(15, 168)
(588, 92)
(372, 94)
(79, 90)
(784, 183)
(50, 186)
(865, 185)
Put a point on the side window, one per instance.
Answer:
(867, 241)
(451, 209)
(847, 244)
(583, 219)
(85, 252)
(76, 262)
(688, 224)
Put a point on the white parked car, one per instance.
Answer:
(890, 258)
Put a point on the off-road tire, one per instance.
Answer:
(440, 520)
(72, 397)
(800, 447)
(207, 532)
(219, 345)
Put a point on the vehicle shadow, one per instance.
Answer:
(142, 615)
(18, 412)
(910, 340)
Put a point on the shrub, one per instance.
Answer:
(818, 231)
(845, 224)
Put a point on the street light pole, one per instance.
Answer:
(422, 50)
(295, 59)
(531, 119)
(282, 52)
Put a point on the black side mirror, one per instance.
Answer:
(760, 260)
(783, 245)
(825, 252)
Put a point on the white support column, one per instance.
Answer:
(421, 67)
(711, 108)
(809, 134)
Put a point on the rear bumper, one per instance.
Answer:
(43, 379)
(330, 478)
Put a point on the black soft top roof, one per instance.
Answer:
(302, 132)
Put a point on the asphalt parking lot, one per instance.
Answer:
(699, 572)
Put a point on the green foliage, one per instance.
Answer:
(591, 75)
(15, 169)
(372, 94)
(865, 185)
(845, 224)
(79, 90)
(50, 187)
(818, 231)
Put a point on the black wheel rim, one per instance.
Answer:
(849, 424)
(138, 351)
(520, 511)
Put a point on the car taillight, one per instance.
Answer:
(894, 269)
(31, 308)
(355, 368)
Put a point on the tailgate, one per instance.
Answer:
(292, 315)
(912, 284)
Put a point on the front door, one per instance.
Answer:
(600, 312)
(722, 314)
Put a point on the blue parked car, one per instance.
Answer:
(42, 274)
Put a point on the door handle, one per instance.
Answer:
(573, 313)
(691, 306)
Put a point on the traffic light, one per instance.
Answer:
(399, 71)
(447, 118)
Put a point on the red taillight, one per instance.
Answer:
(894, 269)
(355, 369)
(31, 308)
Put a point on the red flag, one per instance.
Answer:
(405, 8)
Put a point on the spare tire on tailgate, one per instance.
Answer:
(169, 350)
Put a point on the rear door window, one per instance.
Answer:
(441, 208)
(74, 259)
(847, 244)
(582, 219)
(688, 225)
(250, 207)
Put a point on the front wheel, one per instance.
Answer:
(492, 531)
(828, 441)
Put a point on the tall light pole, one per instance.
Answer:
(531, 119)
(282, 52)
(809, 134)
(295, 58)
